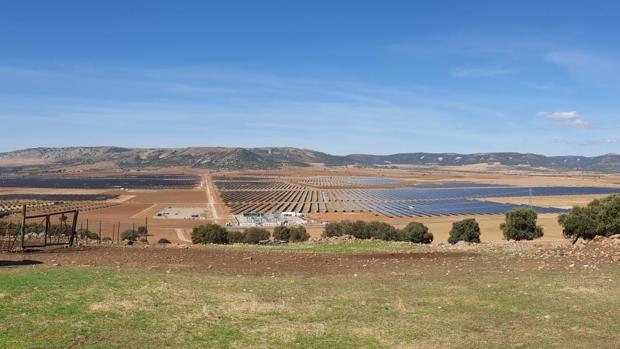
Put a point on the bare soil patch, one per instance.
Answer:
(532, 255)
(237, 262)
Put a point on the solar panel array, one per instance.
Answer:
(340, 182)
(454, 198)
(158, 181)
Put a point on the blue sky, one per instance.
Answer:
(337, 76)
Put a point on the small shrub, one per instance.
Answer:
(144, 240)
(163, 241)
(142, 230)
(209, 234)
(87, 234)
(521, 225)
(236, 237)
(256, 235)
(298, 234)
(9, 228)
(417, 233)
(467, 230)
(130, 235)
(282, 233)
(54, 229)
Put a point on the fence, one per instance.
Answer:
(49, 229)
(109, 231)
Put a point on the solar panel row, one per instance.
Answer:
(455, 198)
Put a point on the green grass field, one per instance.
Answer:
(441, 307)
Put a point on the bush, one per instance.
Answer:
(382, 231)
(298, 234)
(256, 235)
(142, 230)
(209, 234)
(362, 230)
(130, 235)
(54, 229)
(467, 230)
(417, 233)
(87, 234)
(282, 233)
(359, 229)
(337, 229)
(236, 237)
(163, 241)
(294, 234)
(600, 217)
(521, 225)
(9, 228)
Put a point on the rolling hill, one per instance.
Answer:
(274, 157)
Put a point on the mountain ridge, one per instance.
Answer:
(239, 158)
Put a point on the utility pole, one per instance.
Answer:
(530, 199)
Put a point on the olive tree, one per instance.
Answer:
(417, 233)
(209, 234)
(600, 217)
(467, 230)
(521, 224)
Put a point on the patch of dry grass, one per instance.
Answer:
(438, 308)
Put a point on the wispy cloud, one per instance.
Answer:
(480, 72)
(572, 118)
(591, 67)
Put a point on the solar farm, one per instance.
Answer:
(141, 181)
(381, 197)
(13, 203)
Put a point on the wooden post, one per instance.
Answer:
(22, 230)
(47, 229)
(86, 223)
(72, 237)
(113, 229)
(99, 231)
(118, 233)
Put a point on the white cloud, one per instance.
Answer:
(567, 117)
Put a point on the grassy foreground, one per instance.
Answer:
(439, 308)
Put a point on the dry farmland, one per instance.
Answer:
(434, 197)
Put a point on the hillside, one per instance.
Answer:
(266, 158)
